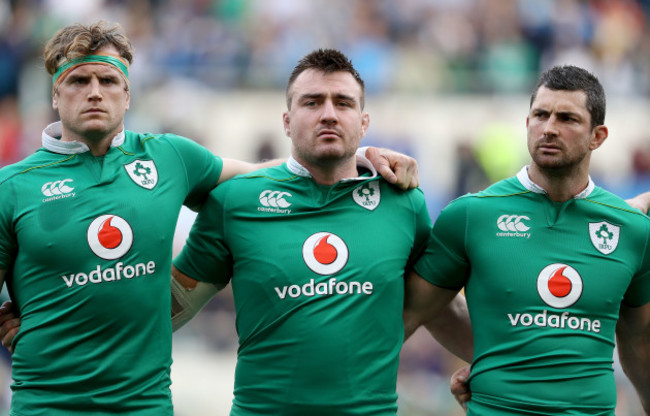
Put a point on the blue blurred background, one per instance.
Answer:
(448, 82)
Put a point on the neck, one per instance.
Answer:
(98, 143)
(560, 184)
(331, 172)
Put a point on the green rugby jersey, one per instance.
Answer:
(544, 281)
(317, 275)
(87, 243)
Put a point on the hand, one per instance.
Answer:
(397, 168)
(9, 325)
(640, 202)
(459, 386)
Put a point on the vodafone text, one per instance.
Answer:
(331, 287)
(110, 274)
(563, 320)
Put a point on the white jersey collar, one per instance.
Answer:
(362, 162)
(533, 187)
(51, 138)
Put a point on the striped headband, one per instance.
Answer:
(68, 66)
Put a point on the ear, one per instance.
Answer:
(55, 101)
(286, 121)
(128, 99)
(598, 137)
(365, 122)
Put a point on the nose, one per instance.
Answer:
(95, 92)
(550, 126)
(329, 114)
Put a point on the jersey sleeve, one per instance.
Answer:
(638, 293)
(202, 168)
(8, 244)
(444, 262)
(205, 256)
(422, 225)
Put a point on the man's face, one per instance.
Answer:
(325, 121)
(92, 101)
(559, 129)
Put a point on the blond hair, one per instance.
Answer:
(78, 40)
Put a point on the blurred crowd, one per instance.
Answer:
(420, 47)
(415, 46)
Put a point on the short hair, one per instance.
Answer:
(573, 78)
(327, 61)
(78, 40)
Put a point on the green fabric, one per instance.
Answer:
(541, 343)
(319, 330)
(96, 330)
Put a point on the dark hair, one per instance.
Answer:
(573, 78)
(328, 61)
(78, 40)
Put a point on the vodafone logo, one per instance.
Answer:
(110, 237)
(325, 253)
(559, 285)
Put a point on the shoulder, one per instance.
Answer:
(615, 206)
(501, 191)
(275, 176)
(150, 140)
(504, 188)
(41, 159)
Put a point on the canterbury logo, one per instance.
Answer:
(275, 199)
(513, 223)
(57, 188)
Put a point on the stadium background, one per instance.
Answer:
(448, 82)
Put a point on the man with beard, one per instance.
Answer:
(555, 269)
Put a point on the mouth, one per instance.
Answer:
(327, 133)
(94, 111)
(549, 147)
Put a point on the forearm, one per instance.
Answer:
(633, 344)
(189, 296)
(443, 312)
(641, 201)
(637, 371)
(451, 327)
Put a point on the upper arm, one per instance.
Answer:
(234, 167)
(423, 301)
(633, 321)
(186, 281)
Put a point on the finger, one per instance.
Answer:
(4, 317)
(6, 306)
(382, 164)
(402, 177)
(9, 337)
(386, 172)
(463, 399)
(415, 181)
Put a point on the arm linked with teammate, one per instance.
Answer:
(397, 168)
(443, 312)
(9, 324)
(633, 344)
(641, 202)
(189, 296)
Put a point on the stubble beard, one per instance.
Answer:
(558, 165)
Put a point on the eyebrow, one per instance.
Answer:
(85, 76)
(339, 96)
(559, 113)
